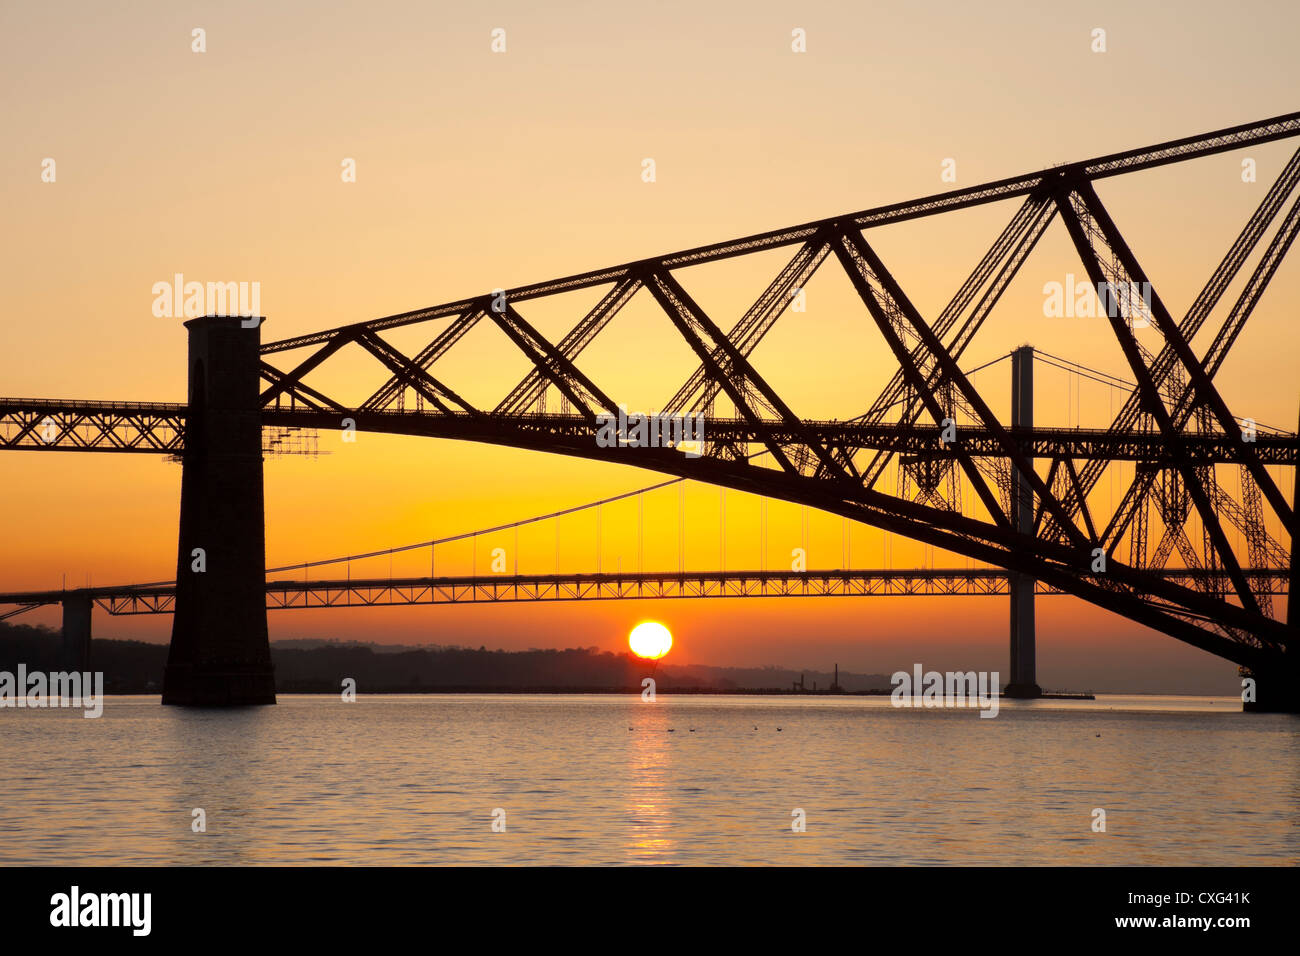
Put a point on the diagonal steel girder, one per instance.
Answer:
(291, 383)
(886, 311)
(992, 275)
(1262, 546)
(1202, 387)
(697, 392)
(1153, 404)
(534, 383)
(1255, 286)
(713, 348)
(465, 320)
(550, 362)
(297, 391)
(890, 306)
(1196, 315)
(701, 386)
(411, 374)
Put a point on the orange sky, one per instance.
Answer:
(477, 170)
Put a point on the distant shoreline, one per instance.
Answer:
(678, 691)
(306, 666)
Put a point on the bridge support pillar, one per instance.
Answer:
(1277, 689)
(1023, 681)
(220, 653)
(76, 631)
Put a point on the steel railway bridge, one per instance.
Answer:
(964, 481)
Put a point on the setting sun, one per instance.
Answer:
(650, 640)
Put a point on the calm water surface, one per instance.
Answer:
(610, 779)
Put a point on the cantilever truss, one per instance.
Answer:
(1174, 414)
(954, 495)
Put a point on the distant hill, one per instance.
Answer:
(319, 666)
(130, 667)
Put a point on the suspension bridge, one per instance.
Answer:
(928, 461)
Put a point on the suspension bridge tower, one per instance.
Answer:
(220, 653)
(1024, 681)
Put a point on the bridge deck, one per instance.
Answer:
(648, 585)
(159, 427)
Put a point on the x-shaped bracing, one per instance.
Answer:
(1174, 389)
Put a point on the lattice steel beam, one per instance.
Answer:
(20, 425)
(369, 592)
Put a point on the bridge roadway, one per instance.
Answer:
(647, 585)
(159, 428)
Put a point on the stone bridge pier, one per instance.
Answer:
(220, 653)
